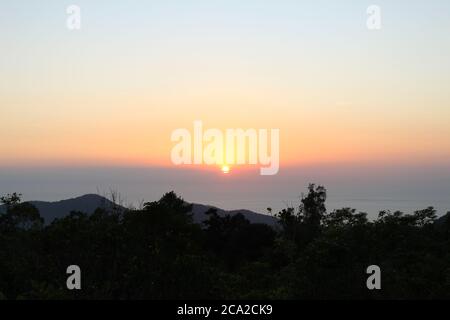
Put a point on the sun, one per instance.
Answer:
(225, 169)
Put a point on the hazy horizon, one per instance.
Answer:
(363, 188)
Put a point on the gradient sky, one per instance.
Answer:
(111, 93)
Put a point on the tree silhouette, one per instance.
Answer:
(158, 252)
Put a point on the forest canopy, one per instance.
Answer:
(158, 252)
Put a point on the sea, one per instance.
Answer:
(368, 189)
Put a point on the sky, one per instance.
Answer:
(111, 93)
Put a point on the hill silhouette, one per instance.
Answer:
(88, 203)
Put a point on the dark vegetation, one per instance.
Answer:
(157, 252)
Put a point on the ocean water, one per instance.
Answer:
(367, 189)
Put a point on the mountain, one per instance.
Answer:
(90, 202)
(87, 204)
(199, 215)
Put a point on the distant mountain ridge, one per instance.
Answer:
(90, 202)
(87, 203)
(199, 215)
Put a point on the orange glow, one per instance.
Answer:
(225, 169)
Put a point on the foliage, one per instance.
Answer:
(158, 252)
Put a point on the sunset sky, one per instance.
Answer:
(364, 112)
(112, 92)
